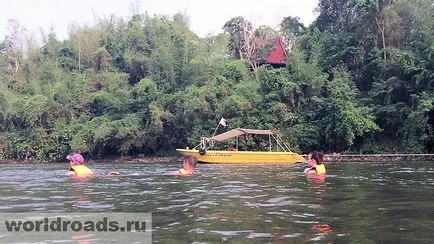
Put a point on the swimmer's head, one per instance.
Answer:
(317, 156)
(75, 159)
(189, 161)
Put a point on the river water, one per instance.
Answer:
(357, 202)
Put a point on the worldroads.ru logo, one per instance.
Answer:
(86, 227)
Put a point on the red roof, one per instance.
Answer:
(278, 55)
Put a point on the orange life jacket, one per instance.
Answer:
(81, 170)
(320, 169)
(184, 172)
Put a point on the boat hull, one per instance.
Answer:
(243, 157)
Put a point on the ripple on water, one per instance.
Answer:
(32, 206)
(129, 194)
(186, 200)
(236, 196)
(23, 198)
(195, 190)
(292, 235)
(204, 203)
(304, 215)
(197, 230)
(94, 205)
(254, 235)
(200, 218)
(288, 190)
(173, 206)
(273, 203)
(318, 237)
(409, 171)
(252, 185)
(231, 233)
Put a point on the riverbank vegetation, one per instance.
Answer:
(360, 78)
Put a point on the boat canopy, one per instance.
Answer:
(239, 132)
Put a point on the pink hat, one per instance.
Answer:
(75, 158)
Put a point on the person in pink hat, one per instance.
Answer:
(77, 167)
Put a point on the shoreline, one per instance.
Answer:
(142, 160)
(332, 158)
(120, 160)
(336, 157)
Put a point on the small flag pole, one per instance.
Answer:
(222, 119)
(216, 128)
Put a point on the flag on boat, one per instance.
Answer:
(223, 122)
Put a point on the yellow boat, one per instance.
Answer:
(205, 154)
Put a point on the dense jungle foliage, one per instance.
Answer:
(359, 79)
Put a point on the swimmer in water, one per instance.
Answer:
(188, 165)
(77, 167)
(315, 163)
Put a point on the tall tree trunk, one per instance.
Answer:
(255, 67)
(17, 65)
(383, 39)
(255, 70)
(79, 55)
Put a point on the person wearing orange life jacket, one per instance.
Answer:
(188, 165)
(77, 167)
(315, 163)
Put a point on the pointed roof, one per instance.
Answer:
(278, 55)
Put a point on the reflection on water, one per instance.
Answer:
(356, 202)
